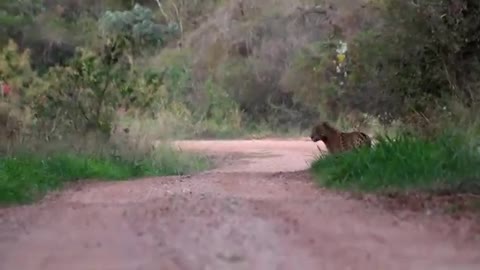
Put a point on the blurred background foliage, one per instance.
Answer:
(229, 68)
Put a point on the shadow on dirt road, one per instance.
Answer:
(258, 210)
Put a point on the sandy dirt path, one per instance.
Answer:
(257, 210)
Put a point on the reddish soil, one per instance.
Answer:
(259, 209)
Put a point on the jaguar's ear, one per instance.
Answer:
(325, 124)
(317, 125)
(327, 127)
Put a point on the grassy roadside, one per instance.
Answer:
(26, 177)
(404, 164)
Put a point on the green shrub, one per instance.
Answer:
(403, 163)
(87, 94)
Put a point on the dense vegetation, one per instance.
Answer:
(419, 65)
(109, 70)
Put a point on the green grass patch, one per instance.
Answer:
(402, 164)
(26, 177)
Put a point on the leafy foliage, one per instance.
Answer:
(137, 27)
(16, 73)
(15, 66)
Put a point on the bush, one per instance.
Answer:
(87, 94)
(25, 177)
(15, 69)
(404, 163)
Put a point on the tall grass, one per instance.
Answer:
(404, 163)
(27, 176)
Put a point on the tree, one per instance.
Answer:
(135, 30)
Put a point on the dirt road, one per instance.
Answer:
(258, 210)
